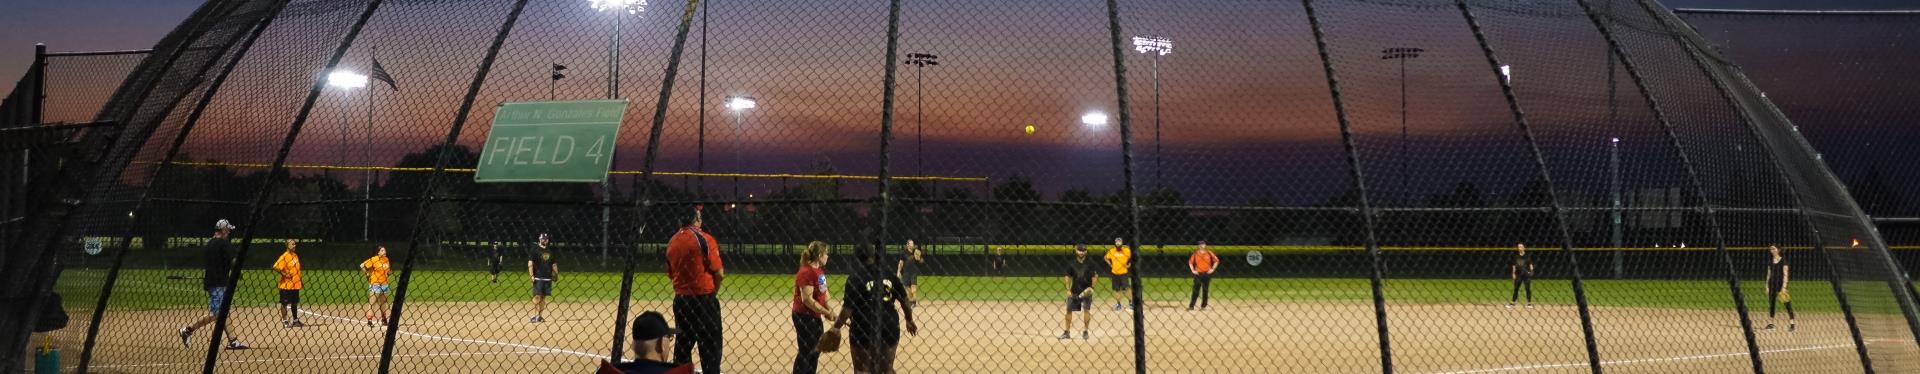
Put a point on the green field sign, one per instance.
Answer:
(551, 141)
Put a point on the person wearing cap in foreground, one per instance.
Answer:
(219, 262)
(651, 336)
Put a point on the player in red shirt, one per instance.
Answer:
(810, 306)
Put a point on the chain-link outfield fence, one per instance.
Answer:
(1415, 186)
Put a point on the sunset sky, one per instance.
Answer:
(1244, 101)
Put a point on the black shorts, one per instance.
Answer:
(910, 279)
(1121, 282)
(543, 287)
(1075, 304)
(289, 297)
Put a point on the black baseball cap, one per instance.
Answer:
(651, 325)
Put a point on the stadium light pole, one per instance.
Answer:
(347, 81)
(739, 106)
(1403, 54)
(1613, 183)
(613, 92)
(920, 61)
(1156, 46)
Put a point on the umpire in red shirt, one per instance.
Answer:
(693, 264)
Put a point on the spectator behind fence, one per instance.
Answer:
(651, 336)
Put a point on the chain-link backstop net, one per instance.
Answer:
(1360, 174)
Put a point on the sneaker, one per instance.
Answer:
(1085, 336)
(1189, 308)
(1203, 308)
(296, 323)
(369, 321)
(185, 333)
(234, 344)
(1066, 335)
(1509, 305)
(1790, 326)
(286, 325)
(1769, 327)
(1529, 305)
(1116, 307)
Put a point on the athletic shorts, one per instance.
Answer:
(543, 287)
(1122, 283)
(289, 297)
(1075, 304)
(910, 279)
(215, 297)
(379, 289)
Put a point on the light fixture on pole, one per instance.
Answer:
(613, 92)
(347, 81)
(1093, 119)
(1403, 54)
(1155, 46)
(920, 61)
(739, 106)
(554, 74)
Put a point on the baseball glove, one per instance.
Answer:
(829, 342)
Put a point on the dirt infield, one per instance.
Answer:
(1013, 337)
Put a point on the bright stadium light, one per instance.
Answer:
(741, 103)
(632, 6)
(1153, 44)
(346, 79)
(1094, 119)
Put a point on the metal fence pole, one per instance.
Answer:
(645, 201)
(426, 200)
(1693, 177)
(1834, 278)
(1360, 188)
(173, 151)
(1128, 192)
(1553, 192)
(258, 207)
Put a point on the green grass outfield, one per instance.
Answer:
(140, 289)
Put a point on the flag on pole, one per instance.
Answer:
(380, 74)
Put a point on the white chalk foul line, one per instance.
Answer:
(474, 341)
(1646, 360)
(353, 357)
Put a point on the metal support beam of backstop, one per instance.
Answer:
(1367, 213)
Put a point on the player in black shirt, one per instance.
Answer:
(1522, 273)
(218, 263)
(869, 304)
(1080, 279)
(908, 269)
(543, 270)
(493, 263)
(1777, 271)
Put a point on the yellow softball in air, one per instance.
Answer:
(1029, 129)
